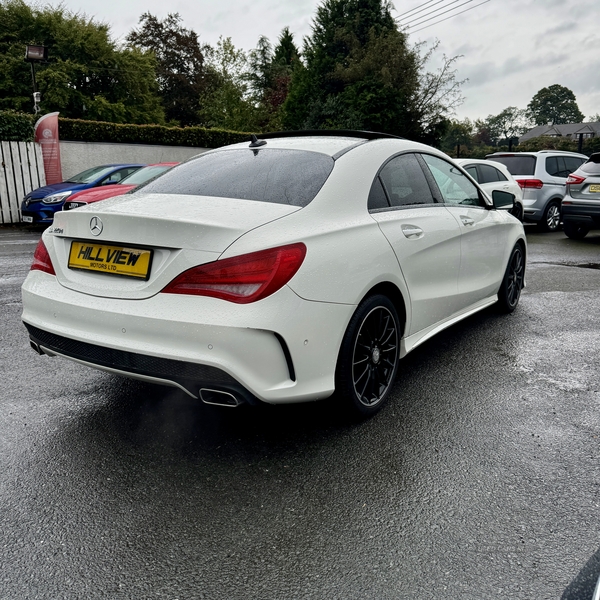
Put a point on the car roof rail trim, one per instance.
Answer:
(367, 135)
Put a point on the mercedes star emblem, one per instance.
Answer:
(96, 226)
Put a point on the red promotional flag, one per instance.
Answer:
(46, 134)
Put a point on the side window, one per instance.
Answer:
(556, 166)
(552, 166)
(377, 197)
(472, 171)
(119, 175)
(454, 186)
(490, 174)
(405, 182)
(573, 163)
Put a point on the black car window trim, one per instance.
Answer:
(433, 182)
(406, 206)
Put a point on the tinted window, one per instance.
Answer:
(573, 163)
(555, 166)
(267, 175)
(490, 174)
(405, 182)
(472, 171)
(517, 165)
(377, 197)
(454, 186)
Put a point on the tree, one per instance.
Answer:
(87, 76)
(357, 64)
(458, 133)
(360, 72)
(181, 70)
(510, 123)
(227, 103)
(269, 76)
(554, 105)
(594, 118)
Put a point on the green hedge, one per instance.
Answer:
(545, 142)
(15, 126)
(18, 127)
(78, 130)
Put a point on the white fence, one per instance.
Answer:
(21, 170)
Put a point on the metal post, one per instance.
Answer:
(580, 143)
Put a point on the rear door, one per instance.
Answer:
(424, 236)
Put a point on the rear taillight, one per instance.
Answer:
(41, 259)
(575, 179)
(241, 279)
(535, 184)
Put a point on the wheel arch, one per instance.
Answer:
(391, 290)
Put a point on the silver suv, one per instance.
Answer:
(542, 176)
(581, 204)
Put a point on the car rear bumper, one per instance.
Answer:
(281, 349)
(584, 215)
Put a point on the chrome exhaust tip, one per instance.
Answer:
(36, 347)
(219, 398)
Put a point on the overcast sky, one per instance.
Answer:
(510, 48)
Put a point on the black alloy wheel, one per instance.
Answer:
(512, 284)
(369, 354)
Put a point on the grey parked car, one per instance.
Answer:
(581, 204)
(542, 176)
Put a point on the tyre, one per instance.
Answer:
(551, 219)
(512, 283)
(368, 359)
(575, 232)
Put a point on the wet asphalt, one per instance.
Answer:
(479, 479)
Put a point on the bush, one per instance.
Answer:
(78, 130)
(18, 127)
(546, 142)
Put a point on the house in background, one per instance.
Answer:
(574, 131)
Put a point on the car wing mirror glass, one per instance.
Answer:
(503, 199)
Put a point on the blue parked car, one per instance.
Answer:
(39, 206)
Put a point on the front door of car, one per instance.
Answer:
(424, 236)
(484, 232)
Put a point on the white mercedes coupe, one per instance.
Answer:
(283, 269)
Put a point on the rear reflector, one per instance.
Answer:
(41, 259)
(241, 279)
(530, 183)
(575, 179)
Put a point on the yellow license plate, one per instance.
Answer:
(113, 260)
(594, 188)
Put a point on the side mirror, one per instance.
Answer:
(503, 200)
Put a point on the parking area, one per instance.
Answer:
(479, 479)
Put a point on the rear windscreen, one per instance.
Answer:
(267, 175)
(517, 165)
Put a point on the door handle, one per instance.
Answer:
(467, 220)
(412, 232)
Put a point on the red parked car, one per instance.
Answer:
(108, 191)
